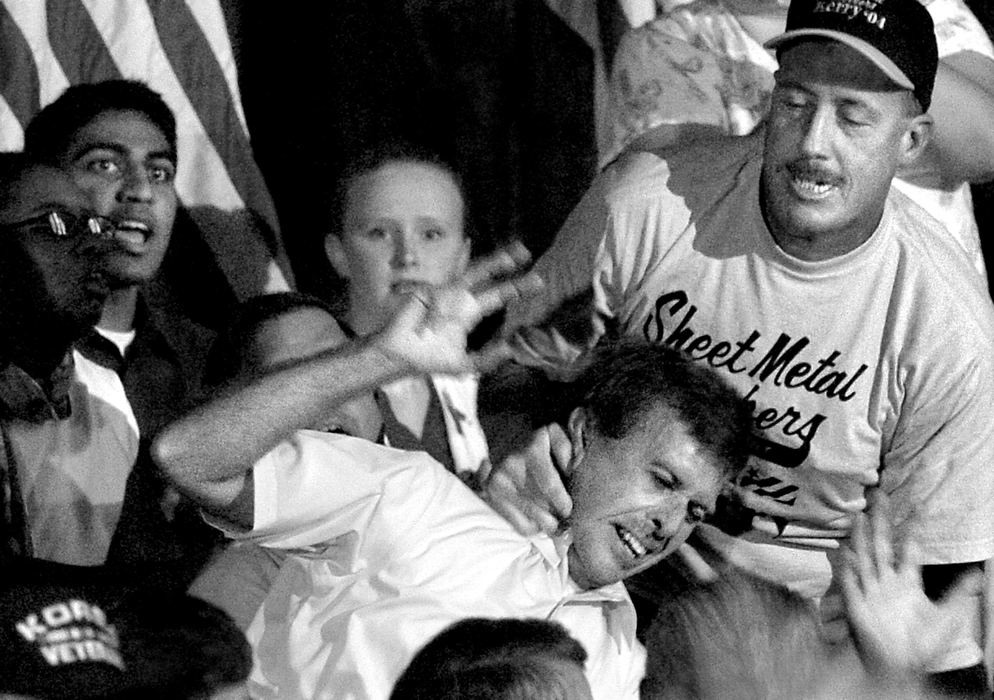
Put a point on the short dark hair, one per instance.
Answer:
(227, 359)
(49, 133)
(625, 378)
(504, 659)
(380, 154)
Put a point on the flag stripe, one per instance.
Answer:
(11, 132)
(77, 44)
(202, 80)
(31, 19)
(18, 72)
(214, 27)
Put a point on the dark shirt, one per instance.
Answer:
(162, 373)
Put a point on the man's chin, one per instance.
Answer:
(589, 577)
(124, 276)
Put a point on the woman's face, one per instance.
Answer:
(403, 228)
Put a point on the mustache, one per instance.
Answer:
(808, 170)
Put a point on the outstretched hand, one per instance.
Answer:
(428, 333)
(897, 629)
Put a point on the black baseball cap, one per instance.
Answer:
(896, 35)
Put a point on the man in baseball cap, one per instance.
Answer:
(842, 311)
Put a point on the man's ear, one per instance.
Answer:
(335, 251)
(577, 427)
(915, 139)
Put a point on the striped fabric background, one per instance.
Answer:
(182, 50)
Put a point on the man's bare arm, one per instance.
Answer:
(208, 454)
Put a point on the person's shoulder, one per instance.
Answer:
(936, 269)
(705, 168)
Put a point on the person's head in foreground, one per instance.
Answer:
(506, 659)
(117, 139)
(54, 280)
(72, 632)
(735, 637)
(276, 330)
(740, 637)
(655, 438)
(848, 111)
(400, 224)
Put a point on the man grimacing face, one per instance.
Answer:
(635, 498)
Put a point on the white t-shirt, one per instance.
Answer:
(874, 369)
(386, 549)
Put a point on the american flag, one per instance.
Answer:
(181, 48)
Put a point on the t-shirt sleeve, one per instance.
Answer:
(939, 469)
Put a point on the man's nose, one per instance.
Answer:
(136, 185)
(817, 131)
(668, 519)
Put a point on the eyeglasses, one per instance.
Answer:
(63, 224)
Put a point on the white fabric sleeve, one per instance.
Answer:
(939, 469)
(317, 486)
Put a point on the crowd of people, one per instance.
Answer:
(743, 412)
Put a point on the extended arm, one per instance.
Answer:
(208, 454)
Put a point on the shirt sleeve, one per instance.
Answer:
(939, 469)
(316, 487)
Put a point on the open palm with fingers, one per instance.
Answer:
(428, 333)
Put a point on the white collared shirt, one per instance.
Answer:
(387, 549)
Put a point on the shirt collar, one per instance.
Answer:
(554, 550)
(28, 399)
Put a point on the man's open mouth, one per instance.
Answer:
(810, 183)
(132, 234)
(631, 542)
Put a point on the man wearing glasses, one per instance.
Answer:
(66, 452)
